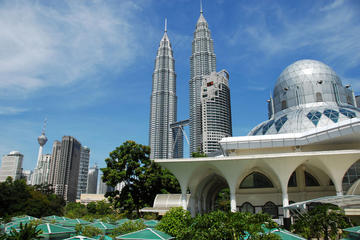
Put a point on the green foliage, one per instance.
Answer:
(17, 198)
(26, 232)
(323, 221)
(91, 211)
(127, 227)
(198, 154)
(75, 210)
(88, 231)
(149, 216)
(130, 165)
(222, 201)
(176, 223)
(216, 225)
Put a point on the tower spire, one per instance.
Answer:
(165, 30)
(44, 126)
(201, 8)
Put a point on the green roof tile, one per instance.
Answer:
(102, 225)
(355, 230)
(80, 238)
(48, 228)
(146, 234)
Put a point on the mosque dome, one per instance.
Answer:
(308, 94)
(42, 139)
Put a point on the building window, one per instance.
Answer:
(271, 209)
(292, 181)
(348, 113)
(283, 104)
(319, 97)
(267, 126)
(349, 101)
(332, 114)
(314, 117)
(247, 207)
(256, 180)
(280, 122)
(310, 180)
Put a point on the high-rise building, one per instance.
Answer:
(163, 103)
(41, 172)
(216, 110)
(92, 180)
(83, 171)
(55, 158)
(26, 174)
(67, 165)
(103, 187)
(202, 62)
(11, 166)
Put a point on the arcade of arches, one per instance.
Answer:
(264, 184)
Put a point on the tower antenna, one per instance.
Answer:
(44, 126)
(201, 8)
(165, 25)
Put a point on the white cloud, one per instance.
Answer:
(11, 110)
(55, 45)
(332, 34)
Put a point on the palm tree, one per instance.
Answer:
(26, 232)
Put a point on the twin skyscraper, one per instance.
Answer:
(210, 109)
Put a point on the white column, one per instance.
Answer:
(232, 199)
(285, 200)
(183, 197)
(338, 187)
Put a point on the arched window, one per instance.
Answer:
(319, 97)
(352, 174)
(247, 207)
(256, 180)
(271, 209)
(292, 181)
(310, 180)
(283, 104)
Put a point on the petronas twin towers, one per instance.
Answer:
(209, 99)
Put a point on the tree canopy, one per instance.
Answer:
(323, 221)
(141, 178)
(17, 198)
(216, 225)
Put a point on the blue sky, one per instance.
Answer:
(87, 65)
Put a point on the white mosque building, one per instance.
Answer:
(303, 151)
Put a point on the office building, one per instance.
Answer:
(216, 110)
(55, 158)
(103, 188)
(26, 174)
(66, 169)
(163, 103)
(83, 171)
(202, 62)
(92, 180)
(11, 166)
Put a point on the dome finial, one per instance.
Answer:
(165, 30)
(201, 8)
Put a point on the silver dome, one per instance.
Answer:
(308, 94)
(308, 81)
(42, 139)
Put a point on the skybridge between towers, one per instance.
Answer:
(179, 133)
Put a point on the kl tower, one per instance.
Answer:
(42, 139)
(37, 176)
